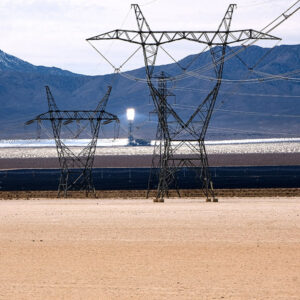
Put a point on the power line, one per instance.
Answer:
(240, 112)
(259, 114)
(271, 77)
(148, 3)
(196, 72)
(257, 3)
(251, 131)
(239, 94)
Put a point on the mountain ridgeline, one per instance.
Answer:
(246, 107)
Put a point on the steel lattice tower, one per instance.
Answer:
(76, 169)
(174, 131)
(162, 163)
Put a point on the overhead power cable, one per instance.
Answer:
(257, 3)
(269, 77)
(250, 80)
(195, 73)
(102, 55)
(258, 114)
(239, 94)
(222, 129)
(148, 3)
(183, 106)
(267, 29)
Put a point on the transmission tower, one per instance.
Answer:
(76, 168)
(190, 133)
(162, 165)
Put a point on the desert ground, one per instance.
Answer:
(239, 248)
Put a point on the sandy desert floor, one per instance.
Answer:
(247, 248)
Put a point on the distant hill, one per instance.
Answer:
(243, 110)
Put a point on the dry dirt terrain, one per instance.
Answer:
(242, 248)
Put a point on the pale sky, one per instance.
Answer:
(53, 32)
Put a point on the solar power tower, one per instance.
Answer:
(76, 168)
(175, 131)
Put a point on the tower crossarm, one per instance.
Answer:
(157, 38)
(76, 115)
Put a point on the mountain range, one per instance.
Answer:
(251, 102)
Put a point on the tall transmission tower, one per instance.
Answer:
(190, 133)
(76, 168)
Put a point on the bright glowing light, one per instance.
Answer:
(130, 114)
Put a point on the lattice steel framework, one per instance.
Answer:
(173, 130)
(162, 162)
(76, 168)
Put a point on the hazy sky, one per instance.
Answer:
(53, 32)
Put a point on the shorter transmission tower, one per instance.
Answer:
(76, 168)
(163, 166)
